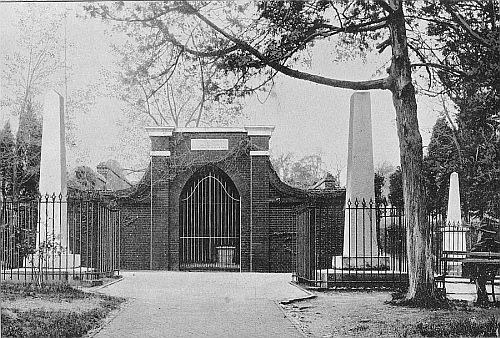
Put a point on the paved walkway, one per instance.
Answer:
(463, 289)
(201, 304)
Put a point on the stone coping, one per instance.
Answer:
(250, 130)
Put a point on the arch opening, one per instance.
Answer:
(209, 234)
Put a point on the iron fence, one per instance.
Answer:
(367, 247)
(58, 239)
(451, 242)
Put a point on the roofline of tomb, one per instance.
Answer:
(257, 130)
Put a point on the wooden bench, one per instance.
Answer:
(486, 259)
(489, 260)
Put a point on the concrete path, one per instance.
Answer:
(201, 304)
(464, 289)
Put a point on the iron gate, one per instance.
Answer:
(209, 222)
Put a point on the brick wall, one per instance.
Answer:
(286, 204)
(268, 206)
(135, 236)
(282, 237)
(259, 254)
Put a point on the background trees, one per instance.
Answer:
(162, 84)
(303, 172)
(27, 72)
(7, 158)
(396, 188)
(466, 36)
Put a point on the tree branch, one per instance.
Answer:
(198, 53)
(462, 23)
(383, 45)
(384, 83)
(439, 66)
(385, 6)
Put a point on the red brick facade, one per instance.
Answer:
(150, 226)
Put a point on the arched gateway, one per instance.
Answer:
(209, 219)
(211, 200)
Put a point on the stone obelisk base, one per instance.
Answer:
(363, 263)
(56, 261)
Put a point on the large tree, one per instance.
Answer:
(248, 46)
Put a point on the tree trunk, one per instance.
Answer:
(420, 263)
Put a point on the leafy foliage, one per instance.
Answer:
(28, 147)
(396, 188)
(467, 35)
(442, 159)
(20, 157)
(379, 183)
(7, 156)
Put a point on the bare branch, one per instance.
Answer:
(148, 107)
(439, 66)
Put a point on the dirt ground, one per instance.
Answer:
(366, 314)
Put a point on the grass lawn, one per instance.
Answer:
(52, 311)
(367, 314)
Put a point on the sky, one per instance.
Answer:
(308, 118)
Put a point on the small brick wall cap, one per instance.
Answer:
(222, 130)
(259, 130)
(160, 131)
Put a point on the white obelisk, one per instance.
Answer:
(454, 233)
(53, 223)
(360, 249)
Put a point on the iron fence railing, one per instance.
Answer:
(368, 246)
(56, 239)
(369, 250)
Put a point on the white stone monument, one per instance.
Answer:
(360, 249)
(53, 223)
(454, 233)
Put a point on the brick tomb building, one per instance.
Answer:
(211, 200)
